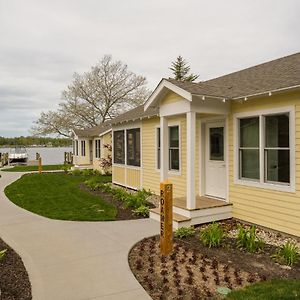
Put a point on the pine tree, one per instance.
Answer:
(180, 69)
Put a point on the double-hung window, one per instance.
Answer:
(82, 148)
(174, 148)
(133, 147)
(76, 148)
(158, 148)
(264, 150)
(174, 156)
(119, 147)
(98, 148)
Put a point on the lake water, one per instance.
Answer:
(50, 156)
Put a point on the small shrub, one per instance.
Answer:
(288, 253)
(212, 235)
(142, 211)
(248, 239)
(2, 253)
(184, 232)
(76, 172)
(87, 172)
(66, 167)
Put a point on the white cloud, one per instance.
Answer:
(44, 42)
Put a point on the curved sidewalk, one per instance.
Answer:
(73, 260)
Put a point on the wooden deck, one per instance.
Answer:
(201, 203)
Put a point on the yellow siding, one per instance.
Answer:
(118, 175)
(171, 98)
(151, 176)
(105, 139)
(275, 209)
(83, 160)
(133, 178)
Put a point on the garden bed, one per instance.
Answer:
(194, 271)
(123, 213)
(14, 280)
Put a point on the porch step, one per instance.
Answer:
(178, 220)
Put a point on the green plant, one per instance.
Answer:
(212, 235)
(66, 167)
(142, 211)
(76, 172)
(184, 232)
(2, 253)
(288, 253)
(248, 239)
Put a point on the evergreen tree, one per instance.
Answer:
(181, 70)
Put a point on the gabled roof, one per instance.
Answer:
(135, 114)
(131, 115)
(278, 74)
(94, 131)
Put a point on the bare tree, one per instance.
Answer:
(94, 97)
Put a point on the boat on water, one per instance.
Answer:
(18, 154)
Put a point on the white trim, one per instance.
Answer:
(171, 109)
(164, 148)
(190, 159)
(226, 148)
(164, 84)
(171, 171)
(105, 132)
(267, 92)
(261, 183)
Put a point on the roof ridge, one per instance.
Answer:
(254, 67)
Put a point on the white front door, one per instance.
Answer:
(215, 163)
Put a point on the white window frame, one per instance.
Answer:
(83, 148)
(125, 128)
(170, 171)
(261, 182)
(98, 148)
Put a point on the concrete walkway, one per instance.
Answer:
(73, 260)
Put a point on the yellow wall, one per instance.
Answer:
(151, 176)
(105, 139)
(126, 176)
(118, 175)
(274, 209)
(170, 98)
(82, 160)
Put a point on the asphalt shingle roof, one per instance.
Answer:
(276, 74)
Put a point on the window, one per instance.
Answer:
(133, 147)
(276, 150)
(265, 139)
(119, 147)
(76, 148)
(98, 148)
(249, 148)
(82, 148)
(216, 143)
(174, 148)
(158, 148)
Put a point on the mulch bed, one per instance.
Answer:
(14, 280)
(194, 271)
(123, 212)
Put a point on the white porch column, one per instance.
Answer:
(191, 160)
(164, 157)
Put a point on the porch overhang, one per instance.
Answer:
(162, 89)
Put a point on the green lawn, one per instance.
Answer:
(58, 196)
(269, 290)
(33, 168)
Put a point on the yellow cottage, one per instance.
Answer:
(230, 146)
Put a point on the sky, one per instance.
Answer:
(43, 42)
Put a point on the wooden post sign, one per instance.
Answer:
(40, 165)
(166, 217)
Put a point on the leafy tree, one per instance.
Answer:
(181, 70)
(94, 97)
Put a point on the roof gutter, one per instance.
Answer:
(294, 87)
